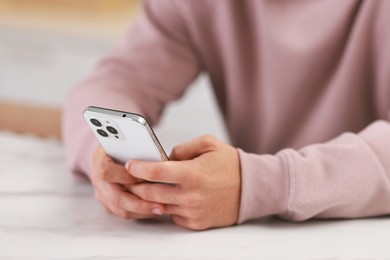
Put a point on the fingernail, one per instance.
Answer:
(157, 211)
(127, 165)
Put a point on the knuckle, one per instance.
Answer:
(192, 200)
(207, 138)
(100, 174)
(143, 207)
(197, 225)
(208, 141)
(104, 176)
(152, 171)
(146, 193)
(175, 151)
(128, 215)
(123, 214)
(105, 170)
(196, 215)
(192, 214)
(117, 201)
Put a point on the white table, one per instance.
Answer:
(47, 213)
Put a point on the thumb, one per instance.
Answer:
(194, 148)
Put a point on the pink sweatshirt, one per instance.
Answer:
(304, 87)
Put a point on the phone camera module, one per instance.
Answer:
(102, 133)
(95, 122)
(112, 130)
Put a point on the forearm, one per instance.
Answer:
(346, 177)
(151, 66)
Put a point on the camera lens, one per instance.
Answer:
(95, 122)
(112, 130)
(102, 133)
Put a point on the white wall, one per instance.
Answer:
(38, 67)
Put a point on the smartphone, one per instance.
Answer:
(123, 135)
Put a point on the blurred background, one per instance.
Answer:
(47, 46)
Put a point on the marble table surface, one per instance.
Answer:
(47, 213)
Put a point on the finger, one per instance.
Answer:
(159, 193)
(103, 201)
(194, 148)
(126, 214)
(177, 210)
(118, 198)
(180, 221)
(163, 172)
(117, 211)
(109, 171)
(188, 223)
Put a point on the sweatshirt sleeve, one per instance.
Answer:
(151, 66)
(347, 177)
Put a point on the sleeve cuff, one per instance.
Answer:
(264, 185)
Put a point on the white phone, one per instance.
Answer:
(123, 135)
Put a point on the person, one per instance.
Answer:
(304, 87)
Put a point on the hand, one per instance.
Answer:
(110, 181)
(206, 183)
